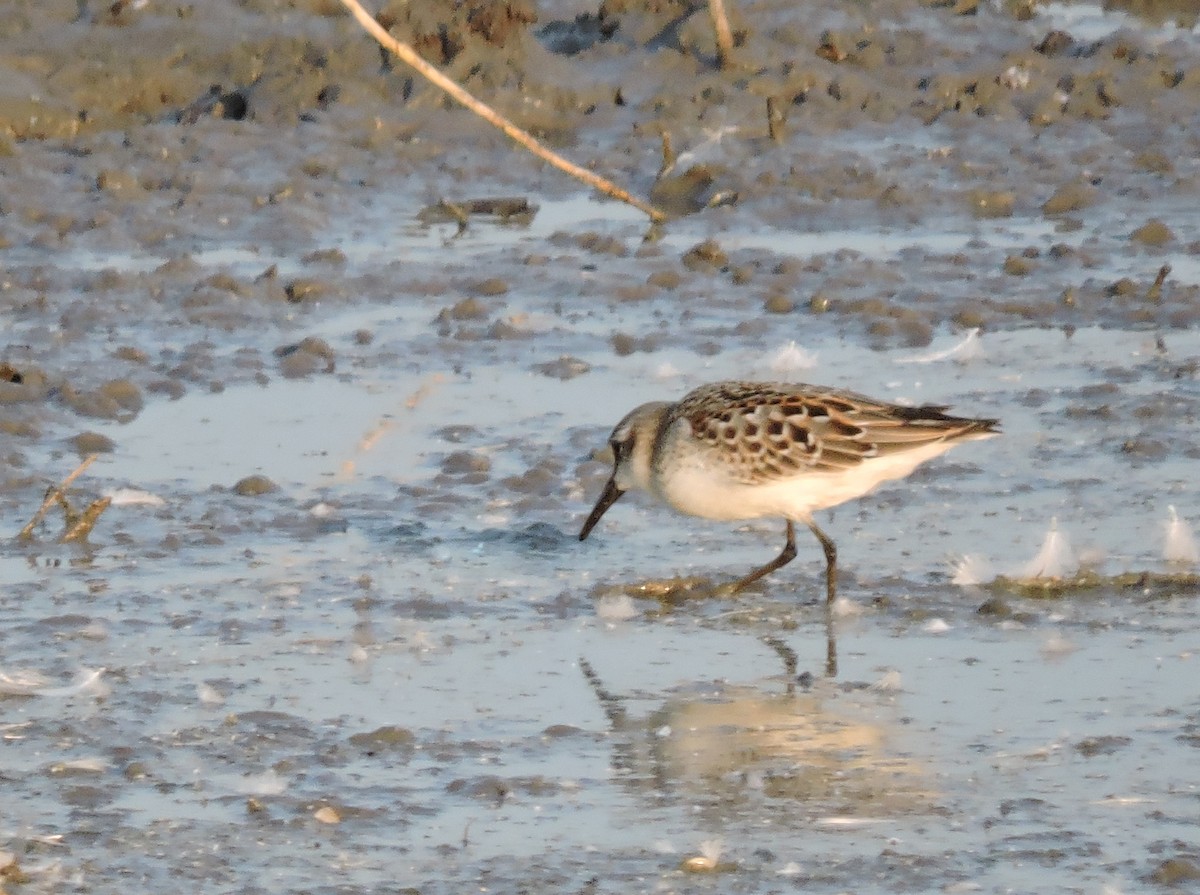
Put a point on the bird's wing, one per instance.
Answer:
(771, 431)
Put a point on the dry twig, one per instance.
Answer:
(774, 120)
(668, 155)
(716, 9)
(55, 495)
(410, 57)
(86, 521)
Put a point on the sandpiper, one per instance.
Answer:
(749, 450)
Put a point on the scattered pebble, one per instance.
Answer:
(327, 815)
(254, 486)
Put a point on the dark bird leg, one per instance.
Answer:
(830, 562)
(831, 551)
(788, 554)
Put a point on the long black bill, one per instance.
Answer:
(608, 497)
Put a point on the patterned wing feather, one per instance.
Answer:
(771, 431)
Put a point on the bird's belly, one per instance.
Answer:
(711, 493)
(701, 493)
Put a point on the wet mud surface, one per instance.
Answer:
(335, 631)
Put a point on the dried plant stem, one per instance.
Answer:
(54, 496)
(774, 120)
(716, 9)
(349, 468)
(1154, 293)
(668, 155)
(410, 57)
(86, 521)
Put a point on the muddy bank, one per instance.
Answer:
(211, 169)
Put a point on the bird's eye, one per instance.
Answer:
(621, 448)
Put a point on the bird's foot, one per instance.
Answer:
(725, 591)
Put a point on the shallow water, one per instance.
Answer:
(250, 647)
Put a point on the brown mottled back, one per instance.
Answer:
(770, 431)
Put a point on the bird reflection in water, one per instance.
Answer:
(829, 747)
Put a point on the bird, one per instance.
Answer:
(736, 450)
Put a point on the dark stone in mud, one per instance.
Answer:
(491, 286)
(457, 434)
(172, 388)
(470, 308)
(601, 244)
(1145, 448)
(995, 606)
(685, 193)
(502, 330)
(466, 463)
(779, 304)
(564, 368)
(542, 480)
(87, 798)
(1016, 266)
(1069, 197)
(330, 257)
(91, 443)
(625, 344)
(1102, 745)
(542, 536)
(306, 289)
(22, 384)
(1153, 233)
(1174, 871)
(1027, 806)
(741, 274)
(132, 355)
(1055, 43)
(254, 486)
(496, 789)
(385, 739)
(634, 293)
(18, 428)
(665, 279)
(118, 399)
(309, 355)
(989, 204)
(1122, 287)
(558, 731)
(705, 256)
(819, 303)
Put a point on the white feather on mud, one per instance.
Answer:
(791, 359)
(34, 683)
(971, 570)
(133, 497)
(1179, 545)
(967, 349)
(1055, 559)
